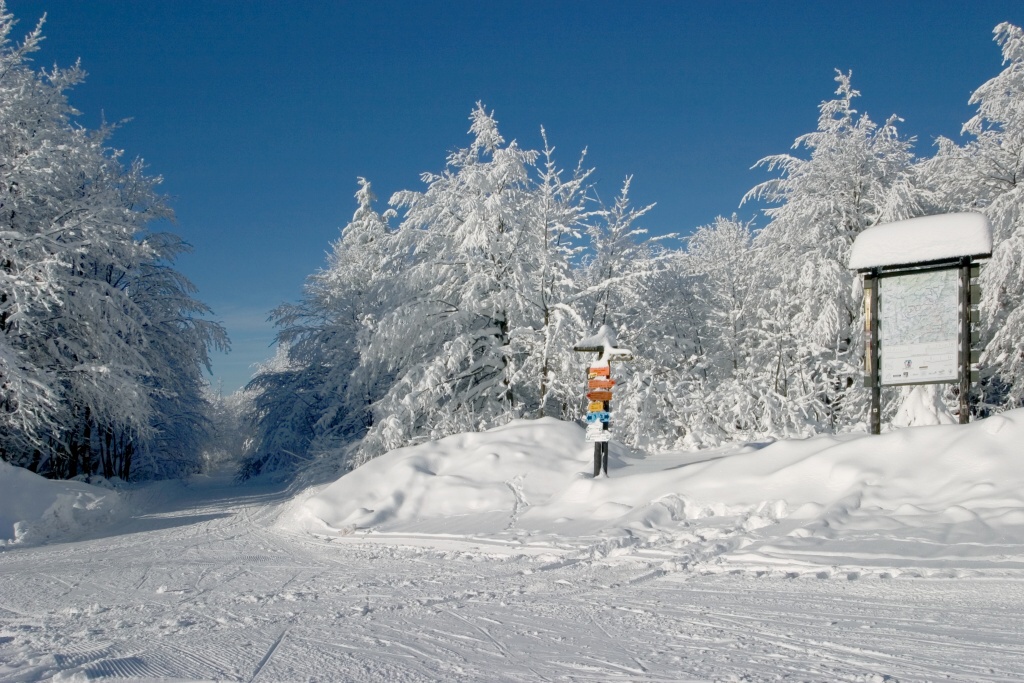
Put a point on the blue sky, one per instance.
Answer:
(261, 115)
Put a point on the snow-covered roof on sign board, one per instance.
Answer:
(921, 240)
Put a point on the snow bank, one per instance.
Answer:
(919, 240)
(938, 496)
(34, 509)
(493, 471)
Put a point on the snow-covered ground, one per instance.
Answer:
(943, 500)
(35, 510)
(496, 557)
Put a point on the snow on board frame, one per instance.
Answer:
(922, 240)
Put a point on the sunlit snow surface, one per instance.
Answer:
(35, 510)
(943, 497)
(923, 239)
(496, 557)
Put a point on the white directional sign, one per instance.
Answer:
(596, 433)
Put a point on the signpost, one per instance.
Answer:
(921, 320)
(599, 392)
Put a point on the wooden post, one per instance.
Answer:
(872, 380)
(965, 340)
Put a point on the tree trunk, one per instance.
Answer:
(85, 445)
(107, 454)
(126, 465)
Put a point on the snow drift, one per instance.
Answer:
(34, 509)
(939, 497)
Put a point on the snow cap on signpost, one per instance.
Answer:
(603, 343)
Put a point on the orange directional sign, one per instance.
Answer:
(598, 371)
(599, 395)
(601, 383)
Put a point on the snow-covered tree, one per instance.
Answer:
(621, 261)
(230, 437)
(657, 390)
(468, 290)
(286, 406)
(624, 284)
(461, 318)
(179, 337)
(559, 210)
(858, 174)
(986, 175)
(722, 264)
(87, 296)
(317, 394)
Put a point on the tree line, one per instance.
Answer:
(456, 308)
(102, 342)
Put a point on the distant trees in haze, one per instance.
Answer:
(102, 342)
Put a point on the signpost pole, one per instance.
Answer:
(600, 456)
(871, 375)
(965, 340)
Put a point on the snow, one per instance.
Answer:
(921, 240)
(923, 405)
(604, 342)
(496, 556)
(34, 509)
(868, 501)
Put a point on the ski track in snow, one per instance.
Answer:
(202, 586)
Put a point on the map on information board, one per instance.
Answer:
(918, 318)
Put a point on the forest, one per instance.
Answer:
(454, 307)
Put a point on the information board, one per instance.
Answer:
(918, 327)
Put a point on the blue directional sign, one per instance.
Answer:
(603, 416)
